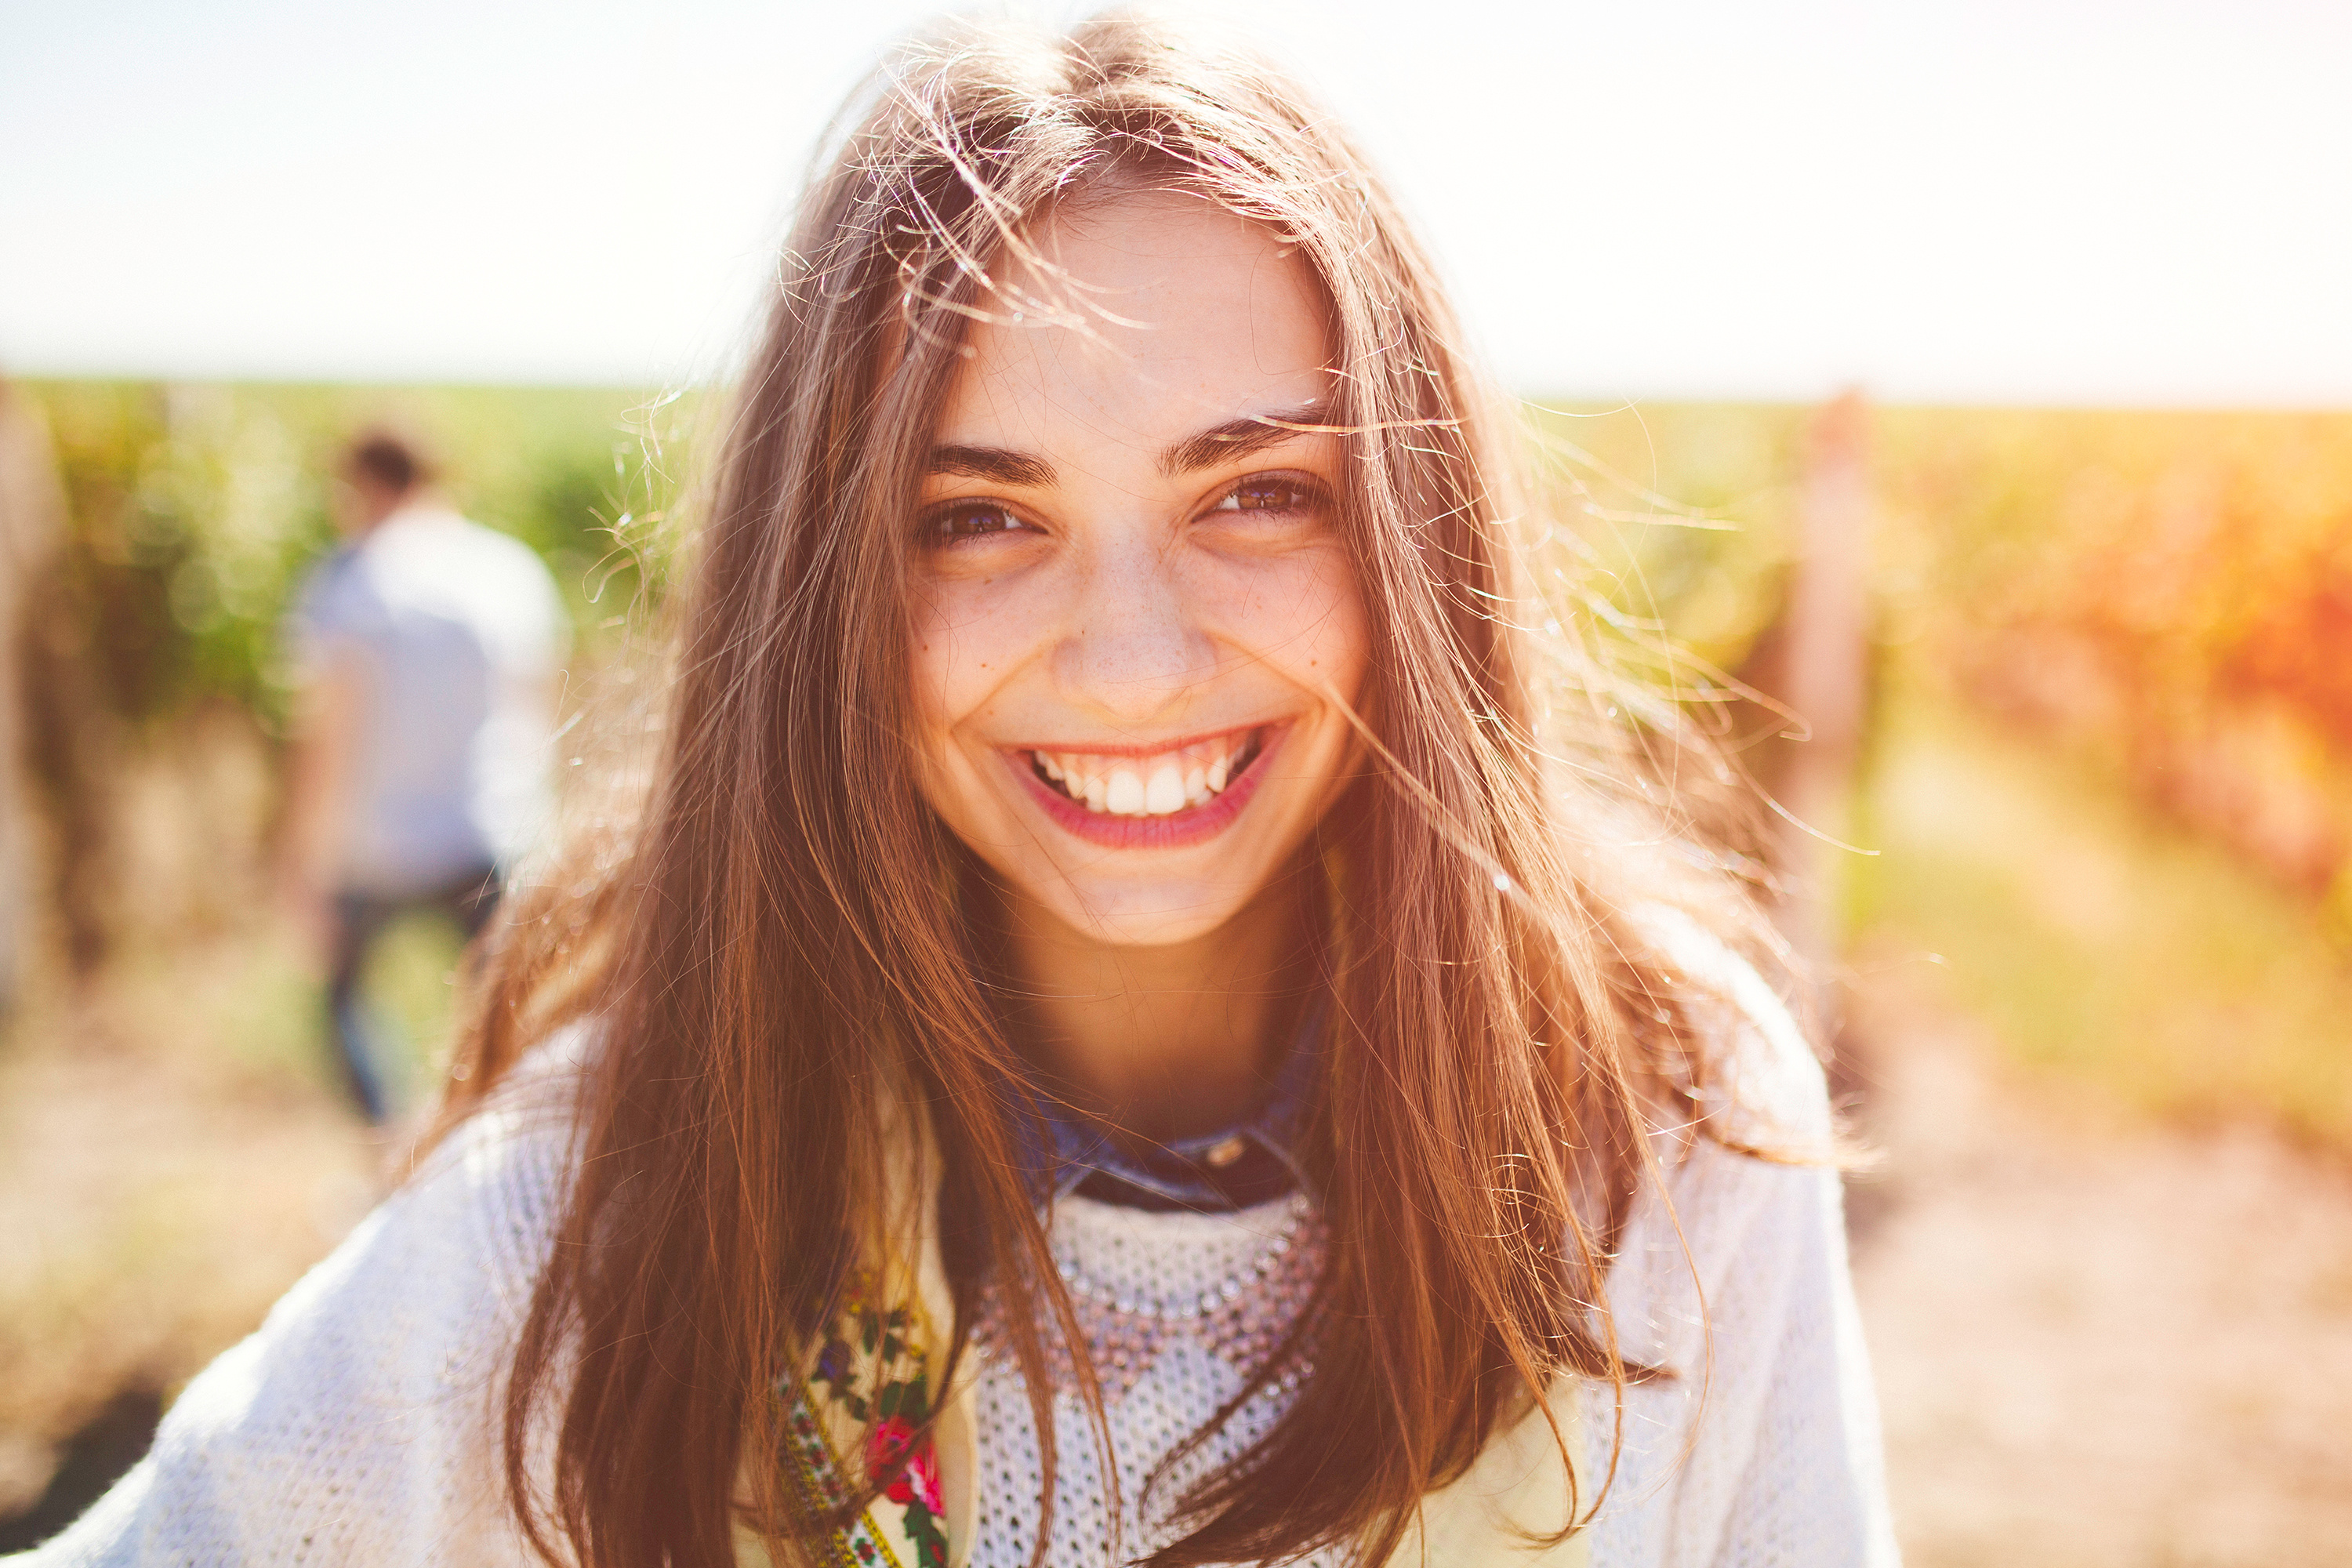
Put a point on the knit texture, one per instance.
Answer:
(1177, 1310)
(356, 1426)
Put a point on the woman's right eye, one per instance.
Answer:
(970, 519)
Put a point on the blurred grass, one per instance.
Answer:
(410, 982)
(2099, 940)
(268, 1029)
(257, 1028)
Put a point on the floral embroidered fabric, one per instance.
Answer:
(870, 1388)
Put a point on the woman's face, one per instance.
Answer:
(1135, 619)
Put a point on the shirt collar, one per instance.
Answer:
(1251, 1161)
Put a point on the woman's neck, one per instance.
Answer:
(1161, 1043)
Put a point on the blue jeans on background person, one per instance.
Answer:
(361, 1049)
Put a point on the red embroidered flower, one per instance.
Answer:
(923, 1479)
(919, 1481)
(889, 1440)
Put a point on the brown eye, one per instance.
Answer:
(970, 519)
(1270, 492)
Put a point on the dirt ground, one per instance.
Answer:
(2098, 1344)
(158, 1190)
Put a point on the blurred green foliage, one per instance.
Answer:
(2208, 555)
(2110, 775)
(196, 509)
(412, 984)
(1685, 512)
(156, 682)
(2167, 596)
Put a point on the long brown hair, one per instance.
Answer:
(780, 968)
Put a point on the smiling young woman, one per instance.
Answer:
(1147, 1017)
(1137, 640)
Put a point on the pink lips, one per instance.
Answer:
(1173, 831)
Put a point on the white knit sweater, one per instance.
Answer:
(353, 1427)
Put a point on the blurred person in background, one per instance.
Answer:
(425, 652)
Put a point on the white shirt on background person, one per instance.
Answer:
(455, 630)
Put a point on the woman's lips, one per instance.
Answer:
(1151, 784)
(1155, 801)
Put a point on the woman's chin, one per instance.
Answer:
(1162, 912)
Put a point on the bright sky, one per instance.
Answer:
(2131, 201)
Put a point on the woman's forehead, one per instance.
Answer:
(1166, 315)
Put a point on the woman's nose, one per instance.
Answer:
(1133, 649)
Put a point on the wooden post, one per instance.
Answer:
(1817, 665)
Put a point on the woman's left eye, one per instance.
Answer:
(970, 519)
(1269, 492)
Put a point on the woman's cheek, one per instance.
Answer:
(931, 659)
(1303, 616)
(1344, 648)
(971, 634)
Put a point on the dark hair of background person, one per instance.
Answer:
(389, 459)
(778, 952)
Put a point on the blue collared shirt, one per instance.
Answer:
(1252, 1161)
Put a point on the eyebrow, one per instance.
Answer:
(1218, 443)
(995, 463)
(1234, 438)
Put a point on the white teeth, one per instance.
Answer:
(1174, 781)
(1125, 796)
(1165, 792)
